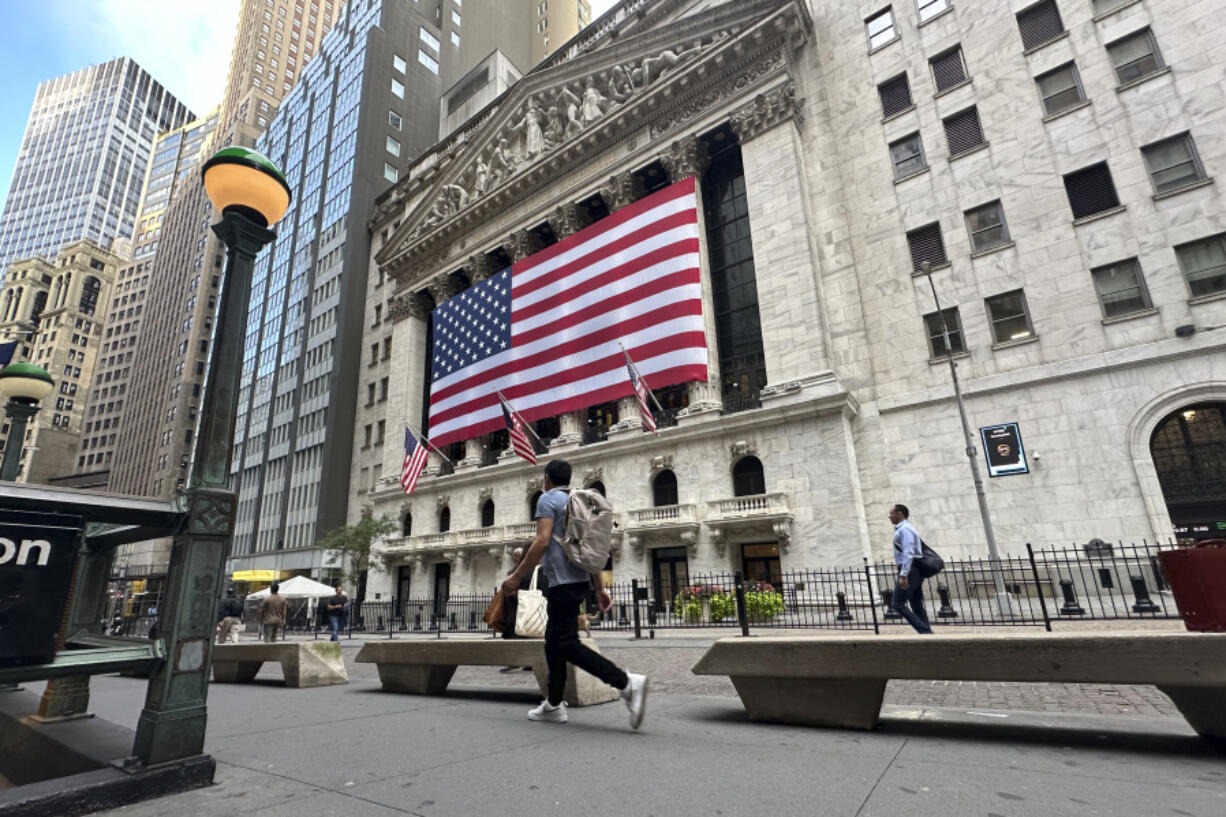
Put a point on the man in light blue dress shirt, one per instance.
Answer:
(908, 598)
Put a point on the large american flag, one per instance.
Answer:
(415, 455)
(548, 332)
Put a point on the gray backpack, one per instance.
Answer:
(588, 541)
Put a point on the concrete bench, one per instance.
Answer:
(422, 667)
(303, 663)
(841, 681)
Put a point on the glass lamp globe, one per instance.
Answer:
(25, 382)
(241, 180)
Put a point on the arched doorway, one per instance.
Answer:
(1189, 452)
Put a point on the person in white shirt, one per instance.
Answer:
(908, 598)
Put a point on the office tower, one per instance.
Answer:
(555, 22)
(83, 159)
(55, 310)
(363, 110)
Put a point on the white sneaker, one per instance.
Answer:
(635, 696)
(548, 713)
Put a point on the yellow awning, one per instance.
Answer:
(256, 575)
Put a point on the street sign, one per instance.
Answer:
(38, 552)
(1002, 445)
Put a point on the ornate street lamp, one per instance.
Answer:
(252, 196)
(24, 384)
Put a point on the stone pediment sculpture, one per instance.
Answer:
(562, 111)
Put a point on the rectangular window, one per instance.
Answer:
(907, 154)
(394, 120)
(948, 69)
(1204, 265)
(428, 61)
(1040, 24)
(393, 147)
(455, 18)
(1173, 163)
(1060, 89)
(895, 96)
(390, 173)
(455, 39)
(936, 337)
(1091, 191)
(398, 88)
(399, 64)
(881, 28)
(963, 131)
(926, 245)
(1135, 56)
(930, 8)
(1121, 290)
(1009, 317)
(986, 226)
(428, 38)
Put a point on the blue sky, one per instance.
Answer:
(184, 44)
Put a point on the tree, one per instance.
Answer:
(350, 546)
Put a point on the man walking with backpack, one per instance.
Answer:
(908, 598)
(568, 585)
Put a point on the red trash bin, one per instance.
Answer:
(1197, 576)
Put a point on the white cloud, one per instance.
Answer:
(185, 45)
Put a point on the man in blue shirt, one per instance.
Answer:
(910, 587)
(568, 585)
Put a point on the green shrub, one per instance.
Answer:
(687, 608)
(722, 606)
(763, 604)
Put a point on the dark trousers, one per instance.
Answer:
(562, 643)
(909, 604)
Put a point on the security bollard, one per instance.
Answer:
(947, 610)
(887, 596)
(1144, 604)
(472, 619)
(844, 614)
(1070, 606)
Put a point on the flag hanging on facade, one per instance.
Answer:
(415, 455)
(640, 396)
(515, 430)
(548, 331)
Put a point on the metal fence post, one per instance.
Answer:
(634, 596)
(1038, 587)
(741, 612)
(872, 599)
(391, 617)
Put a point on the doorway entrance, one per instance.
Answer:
(760, 563)
(1189, 451)
(670, 571)
(404, 575)
(442, 589)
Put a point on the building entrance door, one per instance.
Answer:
(670, 571)
(442, 589)
(761, 563)
(404, 575)
(1189, 451)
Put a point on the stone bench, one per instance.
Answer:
(840, 682)
(303, 663)
(424, 667)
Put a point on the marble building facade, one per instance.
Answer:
(1023, 150)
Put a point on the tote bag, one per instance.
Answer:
(530, 614)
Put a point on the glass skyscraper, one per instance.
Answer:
(83, 159)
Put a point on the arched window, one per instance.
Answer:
(444, 520)
(747, 477)
(487, 513)
(664, 489)
(532, 500)
(89, 294)
(40, 303)
(598, 487)
(1189, 451)
(406, 524)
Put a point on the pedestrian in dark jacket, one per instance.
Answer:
(229, 617)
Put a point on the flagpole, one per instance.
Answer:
(429, 444)
(640, 374)
(522, 421)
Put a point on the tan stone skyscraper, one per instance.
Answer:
(555, 22)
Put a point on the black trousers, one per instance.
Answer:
(562, 643)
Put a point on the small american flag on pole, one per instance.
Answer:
(640, 395)
(515, 430)
(415, 455)
(547, 332)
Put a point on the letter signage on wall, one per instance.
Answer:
(1002, 445)
(37, 554)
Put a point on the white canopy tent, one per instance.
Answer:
(299, 587)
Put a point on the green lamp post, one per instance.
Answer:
(25, 385)
(252, 196)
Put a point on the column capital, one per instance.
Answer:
(767, 110)
(566, 220)
(520, 244)
(685, 157)
(479, 267)
(621, 189)
(442, 287)
(407, 305)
